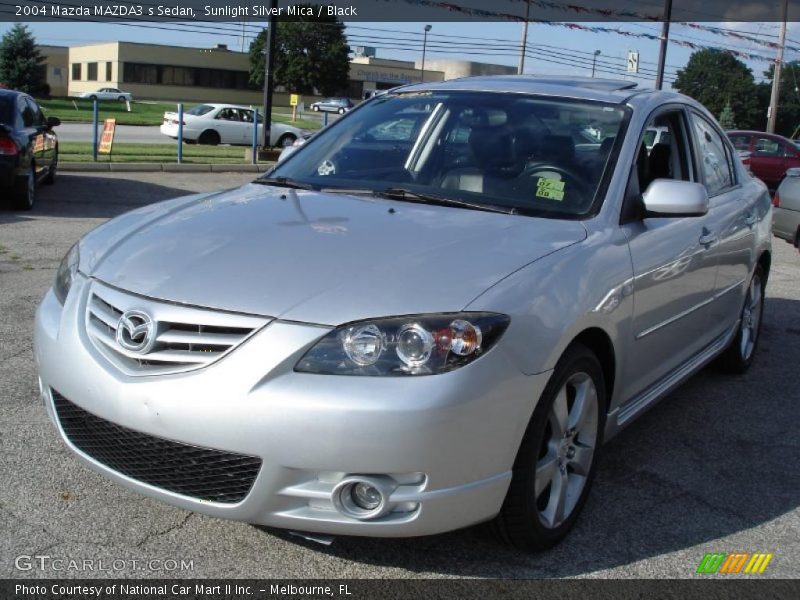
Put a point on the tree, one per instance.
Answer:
(310, 56)
(714, 77)
(788, 118)
(21, 64)
(726, 119)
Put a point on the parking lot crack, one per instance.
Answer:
(22, 351)
(168, 530)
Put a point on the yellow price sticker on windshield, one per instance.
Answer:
(551, 189)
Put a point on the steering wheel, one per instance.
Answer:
(571, 179)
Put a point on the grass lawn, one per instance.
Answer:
(142, 113)
(158, 153)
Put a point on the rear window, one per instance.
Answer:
(200, 110)
(6, 110)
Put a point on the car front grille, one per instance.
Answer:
(186, 337)
(201, 473)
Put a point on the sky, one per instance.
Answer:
(559, 51)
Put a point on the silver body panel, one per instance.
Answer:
(786, 217)
(665, 298)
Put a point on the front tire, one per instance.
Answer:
(50, 178)
(286, 140)
(739, 355)
(557, 460)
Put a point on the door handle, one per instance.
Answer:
(708, 238)
(750, 219)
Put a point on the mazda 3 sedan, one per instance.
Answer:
(432, 315)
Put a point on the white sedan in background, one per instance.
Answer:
(226, 124)
(107, 94)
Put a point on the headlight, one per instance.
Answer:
(414, 345)
(66, 273)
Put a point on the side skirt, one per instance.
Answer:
(624, 415)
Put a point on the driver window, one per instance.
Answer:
(663, 154)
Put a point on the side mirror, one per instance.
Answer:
(53, 122)
(672, 198)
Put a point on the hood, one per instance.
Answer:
(316, 257)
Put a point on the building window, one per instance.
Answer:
(186, 76)
(108, 71)
(91, 71)
(76, 71)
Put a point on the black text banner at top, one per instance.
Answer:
(543, 11)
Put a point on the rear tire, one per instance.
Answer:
(341, 111)
(92, 98)
(209, 137)
(738, 357)
(24, 194)
(122, 98)
(557, 459)
(315, 108)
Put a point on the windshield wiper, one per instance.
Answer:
(411, 196)
(405, 195)
(284, 182)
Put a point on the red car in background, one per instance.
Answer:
(770, 155)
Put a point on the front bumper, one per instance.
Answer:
(447, 442)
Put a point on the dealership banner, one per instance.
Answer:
(406, 589)
(395, 10)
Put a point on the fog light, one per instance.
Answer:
(366, 496)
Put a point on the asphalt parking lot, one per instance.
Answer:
(713, 468)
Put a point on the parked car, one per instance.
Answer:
(226, 124)
(28, 148)
(335, 105)
(770, 154)
(287, 151)
(107, 93)
(786, 214)
(406, 334)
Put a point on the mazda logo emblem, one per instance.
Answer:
(136, 331)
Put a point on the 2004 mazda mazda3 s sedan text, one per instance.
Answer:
(431, 315)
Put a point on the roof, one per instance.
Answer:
(7, 92)
(586, 88)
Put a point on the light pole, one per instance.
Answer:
(424, 47)
(594, 60)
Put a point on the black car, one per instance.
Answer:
(28, 148)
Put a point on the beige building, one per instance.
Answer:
(153, 71)
(56, 59)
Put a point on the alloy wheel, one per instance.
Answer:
(568, 448)
(751, 318)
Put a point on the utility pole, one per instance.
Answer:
(772, 115)
(269, 68)
(524, 42)
(662, 53)
(424, 47)
(594, 60)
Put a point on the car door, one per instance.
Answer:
(733, 214)
(673, 269)
(32, 134)
(44, 145)
(227, 124)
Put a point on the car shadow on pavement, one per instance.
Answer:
(81, 196)
(713, 459)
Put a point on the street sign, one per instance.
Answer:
(107, 137)
(294, 99)
(633, 62)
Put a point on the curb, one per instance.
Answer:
(163, 167)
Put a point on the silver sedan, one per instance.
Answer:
(433, 314)
(786, 219)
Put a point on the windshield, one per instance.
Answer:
(533, 154)
(200, 110)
